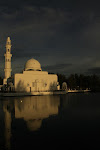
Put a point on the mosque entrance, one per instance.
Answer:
(39, 87)
(30, 89)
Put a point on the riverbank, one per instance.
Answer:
(16, 94)
(60, 92)
(78, 91)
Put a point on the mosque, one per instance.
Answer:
(33, 80)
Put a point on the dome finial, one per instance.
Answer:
(8, 40)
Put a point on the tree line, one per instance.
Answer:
(75, 81)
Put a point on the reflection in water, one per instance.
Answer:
(7, 126)
(77, 121)
(7, 120)
(34, 109)
(31, 109)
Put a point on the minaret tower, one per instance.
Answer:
(8, 56)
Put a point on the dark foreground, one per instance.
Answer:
(50, 122)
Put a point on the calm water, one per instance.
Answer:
(71, 120)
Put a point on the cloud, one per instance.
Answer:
(61, 29)
(56, 67)
(22, 54)
(95, 70)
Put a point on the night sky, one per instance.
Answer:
(63, 35)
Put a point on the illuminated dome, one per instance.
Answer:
(33, 65)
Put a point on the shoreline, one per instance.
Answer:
(18, 94)
(78, 91)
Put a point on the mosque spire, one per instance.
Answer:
(8, 56)
(8, 42)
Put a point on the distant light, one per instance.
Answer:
(21, 101)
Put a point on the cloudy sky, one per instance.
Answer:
(63, 35)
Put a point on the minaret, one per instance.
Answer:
(8, 56)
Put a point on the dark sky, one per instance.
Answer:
(63, 35)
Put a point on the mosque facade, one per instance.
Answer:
(32, 79)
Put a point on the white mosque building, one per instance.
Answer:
(33, 80)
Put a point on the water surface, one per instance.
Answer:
(71, 120)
